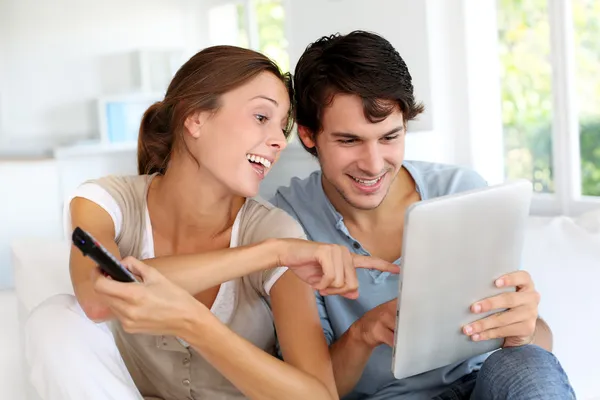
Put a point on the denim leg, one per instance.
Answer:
(459, 390)
(522, 373)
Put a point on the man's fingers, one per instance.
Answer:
(389, 319)
(521, 329)
(385, 335)
(519, 279)
(501, 319)
(506, 300)
(369, 262)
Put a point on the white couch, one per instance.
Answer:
(562, 254)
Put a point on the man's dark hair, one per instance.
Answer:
(359, 63)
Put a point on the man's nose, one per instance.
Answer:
(372, 160)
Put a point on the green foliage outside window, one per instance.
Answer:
(527, 109)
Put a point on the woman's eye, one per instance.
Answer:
(261, 118)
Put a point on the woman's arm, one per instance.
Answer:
(307, 371)
(299, 330)
(95, 220)
(194, 273)
(158, 306)
(327, 267)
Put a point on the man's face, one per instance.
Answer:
(359, 159)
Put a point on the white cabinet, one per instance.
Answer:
(29, 206)
(33, 193)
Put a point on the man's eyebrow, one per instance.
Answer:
(344, 135)
(395, 130)
(260, 96)
(348, 135)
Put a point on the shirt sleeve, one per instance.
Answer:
(275, 224)
(95, 193)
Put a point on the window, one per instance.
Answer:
(524, 33)
(255, 24)
(549, 52)
(586, 18)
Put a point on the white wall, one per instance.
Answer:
(409, 26)
(446, 45)
(57, 56)
(402, 22)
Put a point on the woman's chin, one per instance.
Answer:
(247, 190)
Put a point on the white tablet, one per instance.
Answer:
(454, 248)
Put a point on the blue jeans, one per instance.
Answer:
(520, 373)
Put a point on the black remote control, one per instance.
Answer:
(90, 247)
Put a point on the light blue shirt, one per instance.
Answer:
(306, 201)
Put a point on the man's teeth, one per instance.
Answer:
(259, 159)
(367, 183)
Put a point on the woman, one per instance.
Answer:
(214, 293)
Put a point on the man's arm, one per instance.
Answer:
(543, 335)
(351, 352)
(349, 356)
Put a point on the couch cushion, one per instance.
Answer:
(563, 256)
(41, 270)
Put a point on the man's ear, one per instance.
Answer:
(194, 122)
(306, 136)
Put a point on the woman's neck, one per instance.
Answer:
(186, 207)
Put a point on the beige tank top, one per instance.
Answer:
(163, 367)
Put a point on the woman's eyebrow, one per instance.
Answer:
(260, 96)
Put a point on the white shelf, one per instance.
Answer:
(93, 149)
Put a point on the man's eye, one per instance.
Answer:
(390, 138)
(346, 141)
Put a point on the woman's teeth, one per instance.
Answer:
(259, 160)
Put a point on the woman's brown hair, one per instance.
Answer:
(198, 86)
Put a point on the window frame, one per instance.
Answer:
(251, 19)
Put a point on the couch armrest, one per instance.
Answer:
(41, 270)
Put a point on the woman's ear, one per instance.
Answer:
(194, 123)
(306, 136)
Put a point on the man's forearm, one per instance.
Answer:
(543, 335)
(198, 272)
(349, 356)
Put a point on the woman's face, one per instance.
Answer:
(237, 145)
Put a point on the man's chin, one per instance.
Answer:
(364, 202)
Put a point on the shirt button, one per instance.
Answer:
(186, 382)
(356, 245)
(186, 361)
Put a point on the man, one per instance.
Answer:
(354, 96)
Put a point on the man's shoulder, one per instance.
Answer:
(299, 193)
(438, 179)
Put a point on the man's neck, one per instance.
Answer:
(401, 194)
